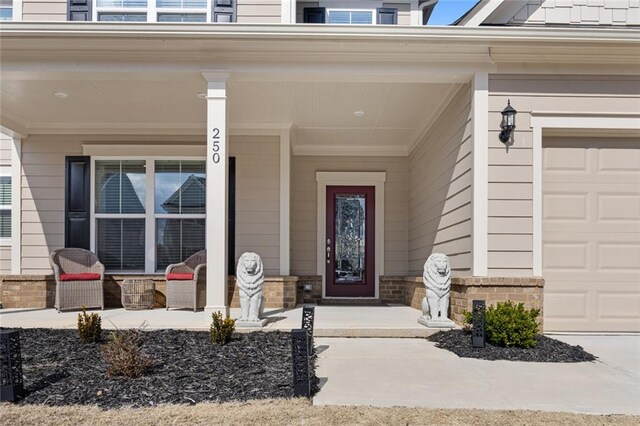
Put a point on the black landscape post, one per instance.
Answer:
(477, 332)
(10, 366)
(300, 360)
(308, 313)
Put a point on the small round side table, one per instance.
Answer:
(138, 294)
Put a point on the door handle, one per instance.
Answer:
(328, 250)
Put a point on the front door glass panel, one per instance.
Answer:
(350, 239)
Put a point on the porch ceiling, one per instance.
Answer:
(320, 112)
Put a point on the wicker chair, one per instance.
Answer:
(186, 285)
(79, 279)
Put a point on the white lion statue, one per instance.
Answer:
(437, 280)
(250, 280)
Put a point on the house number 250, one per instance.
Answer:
(216, 145)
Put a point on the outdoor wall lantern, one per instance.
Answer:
(508, 124)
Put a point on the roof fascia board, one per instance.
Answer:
(300, 33)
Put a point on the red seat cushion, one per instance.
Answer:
(179, 276)
(85, 276)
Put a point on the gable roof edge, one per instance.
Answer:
(478, 13)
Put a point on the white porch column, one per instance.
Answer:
(480, 154)
(217, 193)
(285, 200)
(16, 205)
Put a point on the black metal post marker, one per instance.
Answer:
(12, 387)
(300, 360)
(308, 314)
(477, 331)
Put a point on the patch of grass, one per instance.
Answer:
(294, 412)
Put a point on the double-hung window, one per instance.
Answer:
(151, 11)
(148, 213)
(180, 208)
(5, 208)
(354, 17)
(121, 10)
(6, 10)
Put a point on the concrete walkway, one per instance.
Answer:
(414, 373)
(332, 321)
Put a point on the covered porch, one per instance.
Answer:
(269, 128)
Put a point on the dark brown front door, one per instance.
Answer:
(350, 244)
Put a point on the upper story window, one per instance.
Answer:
(337, 16)
(6, 10)
(323, 15)
(163, 11)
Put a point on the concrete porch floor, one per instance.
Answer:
(330, 321)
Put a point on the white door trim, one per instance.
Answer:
(376, 179)
(562, 120)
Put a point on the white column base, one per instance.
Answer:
(209, 310)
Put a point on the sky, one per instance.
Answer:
(447, 11)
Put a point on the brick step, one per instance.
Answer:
(352, 302)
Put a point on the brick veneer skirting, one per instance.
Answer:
(410, 291)
(279, 292)
(38, 291)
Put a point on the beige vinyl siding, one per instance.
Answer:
(304, 206)
(258, 198)
(300, 9)
(510, 221)
(5, 260)
(259, 11)
(440, 196)
(43, 198)
(570, 12)
(404, 12)
(5, 150)
(44, 10)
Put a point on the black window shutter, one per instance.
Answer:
(224, 10)
(387, 16)
(77, 202)
(79, 10)
(315, 15)
(231, 230)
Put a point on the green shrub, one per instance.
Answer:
(123, 353)
(509, 325)
(468, 316)
(221, 329)
(89, 327)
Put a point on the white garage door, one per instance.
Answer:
(591, 234)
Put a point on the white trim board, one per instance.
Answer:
(480, 188)
(16, 205)
(285, 201)
(566, 121)
(376, 179)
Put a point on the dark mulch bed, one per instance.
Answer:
(59, 370)
(547, 349)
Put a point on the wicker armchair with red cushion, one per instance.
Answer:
(79, 279)
(186, 282)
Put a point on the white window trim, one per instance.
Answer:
(17, 10)
(348, 9)
(565, 120)
(7, 241)
(152, 11)
(150, 215)
(376, 179)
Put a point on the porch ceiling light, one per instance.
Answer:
(359, 113)
(508, 123)
(61, 95)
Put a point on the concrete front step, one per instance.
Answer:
(375, 332)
